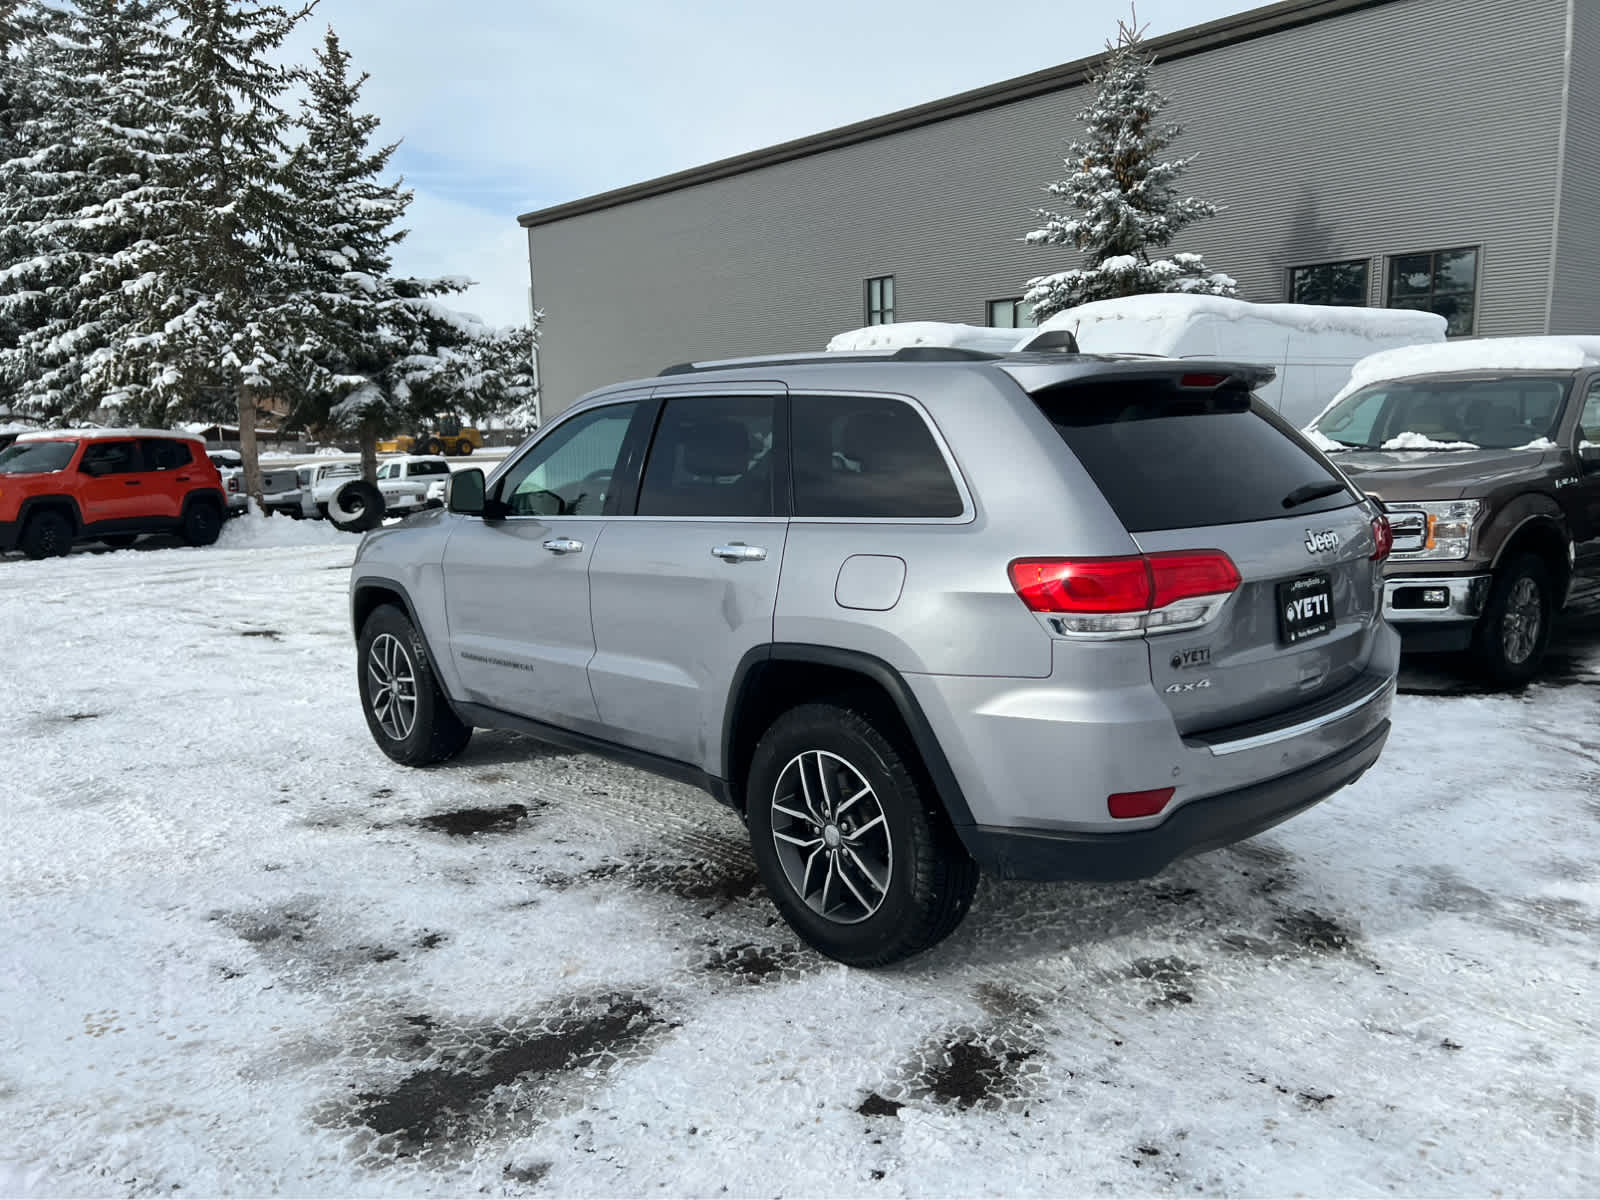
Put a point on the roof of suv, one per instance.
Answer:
(1479, 354)
(82, 435)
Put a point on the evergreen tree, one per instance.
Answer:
(1123, 197)
(223, 309)
(79, 204)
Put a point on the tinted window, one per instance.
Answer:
(36, 458)
(160, 454)
(712, 457)
(1448, 414)
(110, 458)
(568, 472)
(1178, 458)
(867, 456)
(430, 468)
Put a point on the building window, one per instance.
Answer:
(880, 300)
(1010, 314)
(1330, 283)
(1443, 282)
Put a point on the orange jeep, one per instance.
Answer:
(106, 485)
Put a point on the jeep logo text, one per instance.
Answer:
(1326, 539)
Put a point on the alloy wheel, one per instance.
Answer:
(392, 682)
(1523, 621)
(832, 837)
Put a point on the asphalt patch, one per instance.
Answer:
(969, 1073)
(482, 1076)
(749, 963)
(272, 635)
(1173, 979)
(1310, 930)
(469, 822)
(876, 1106)
(724, 882)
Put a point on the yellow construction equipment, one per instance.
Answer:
(451, 438)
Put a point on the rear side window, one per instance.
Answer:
(712, 457)
(430, 468)
(867, 457)
(163, 455)
(1167, 457)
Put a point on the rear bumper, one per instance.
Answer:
(1196, 827)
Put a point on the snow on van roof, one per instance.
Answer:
(46, 435)
(1385, 324)
(1479, 354)
(928, 333)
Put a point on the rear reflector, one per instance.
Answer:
(1126, 597)
(1126, 805)
(1382, 538)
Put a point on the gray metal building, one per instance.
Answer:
(1417, 153)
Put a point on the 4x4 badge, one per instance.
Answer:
(1326, 539)
(1177, 689)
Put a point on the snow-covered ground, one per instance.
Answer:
(245, 954)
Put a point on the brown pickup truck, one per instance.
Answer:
(1486, 456)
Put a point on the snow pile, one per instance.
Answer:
(1411, 440)
(1164, 316)
(927, 333)
(252, 531)
(1543, 443)
(1480, 354)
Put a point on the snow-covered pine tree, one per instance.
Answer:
(222, 313)
(1123, 197)
(80, 203)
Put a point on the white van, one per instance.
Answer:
(1312, 346)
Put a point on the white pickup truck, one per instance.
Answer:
(413, 483)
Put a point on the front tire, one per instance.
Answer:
(405, 707)
(1514, 632)
(46, 535)
(202, 523)
(850, 842)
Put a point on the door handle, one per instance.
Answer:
(563, 545)
(738, 552)
(131, 482)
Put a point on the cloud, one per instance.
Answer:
(506, 106)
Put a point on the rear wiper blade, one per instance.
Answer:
(1312, 491)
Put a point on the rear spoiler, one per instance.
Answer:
(1036, 375)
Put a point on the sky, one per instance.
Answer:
(507, 106)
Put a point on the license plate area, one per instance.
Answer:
(1305, 609)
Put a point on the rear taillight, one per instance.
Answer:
(1202, 380)
(1382, 538)
(1128, 596)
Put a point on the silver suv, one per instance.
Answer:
(913, 614)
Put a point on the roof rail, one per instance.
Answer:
(1062, 340)
(911, 354)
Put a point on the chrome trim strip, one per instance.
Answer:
(1293, 731)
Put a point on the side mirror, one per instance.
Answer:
(1589, 457)
(464, 493)
(97, 468)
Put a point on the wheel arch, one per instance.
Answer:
(772, 679)
(1545, 536)
(55, 502)
(371, 593)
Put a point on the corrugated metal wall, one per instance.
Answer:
(1575, 296)
(1413, 126)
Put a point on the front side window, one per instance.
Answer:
(36, 458)
(880, 300)
(1589, 422)
(386, 471)
(1448, 414)
(163, 454)
(1330, 283)
(867, 457)
(110, 458)
(1010, 314)
(1443, 282)
(568, 473)
(713, 456)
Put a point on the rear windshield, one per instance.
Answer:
(1177, 458)
(29, 458)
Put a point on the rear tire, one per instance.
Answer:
(1513, 634)
(356, 507)
(852, 845)
(202, 523)
(431, 446)
(46, 535)
(464, 449)
(405, 707)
